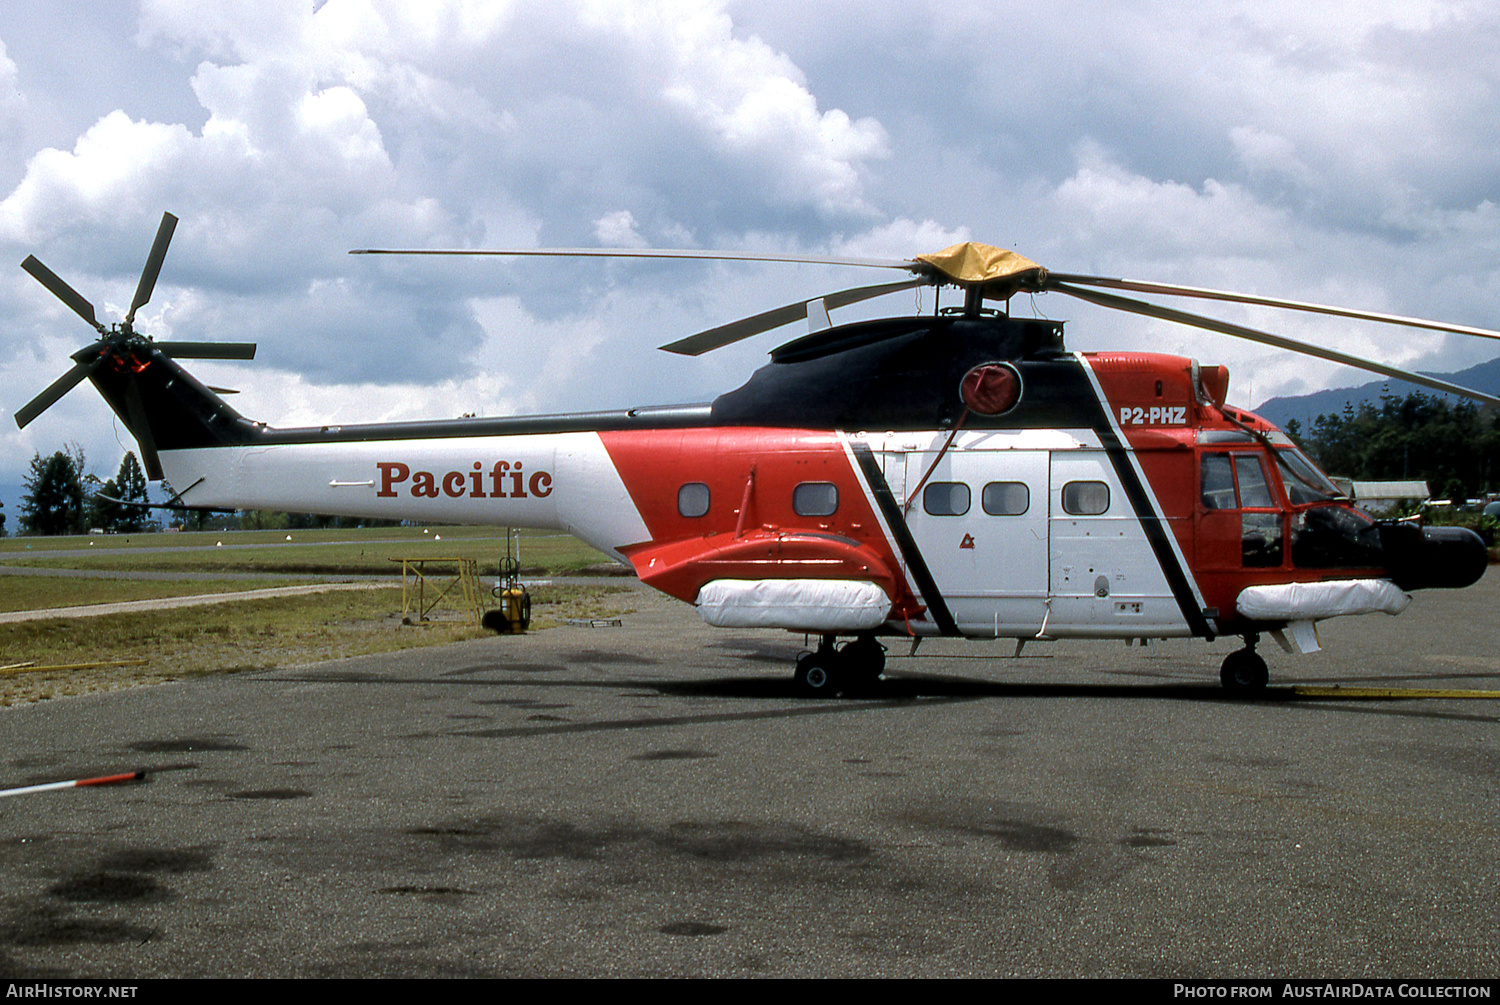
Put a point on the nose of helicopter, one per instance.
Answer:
(1425, 557)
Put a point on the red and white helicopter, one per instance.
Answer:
(959, 474)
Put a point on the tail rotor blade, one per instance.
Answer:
(62, 291)
(147, 284)
(140, 428)
(59, 387)
(206, 350)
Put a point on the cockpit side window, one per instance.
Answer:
(1335, 537)
(1221, 473)
(1254, 492)
(1260, 540)
(1218, 482)
(1237, 481)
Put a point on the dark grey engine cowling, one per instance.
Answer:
(905, 374)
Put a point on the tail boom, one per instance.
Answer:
(548, 481)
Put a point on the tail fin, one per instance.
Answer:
(165, 407)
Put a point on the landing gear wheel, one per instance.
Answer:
(817, 674)
(864, 660)
(1244, 672)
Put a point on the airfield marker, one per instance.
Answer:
(1306, 691)
(31, 667)
(25, 790)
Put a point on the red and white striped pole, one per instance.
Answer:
(76, 783)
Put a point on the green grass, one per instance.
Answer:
(34, 593)
(309, 552)
(247, 635)
(255, 634)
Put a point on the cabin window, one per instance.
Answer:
(1005, 498)
(815, 499)
(692, 500)
(1085, 498)
(946, 499)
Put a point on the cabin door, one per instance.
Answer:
(980, 525)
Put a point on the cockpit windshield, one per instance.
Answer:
(1304, 482)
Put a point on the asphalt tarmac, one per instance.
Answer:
(654, 800)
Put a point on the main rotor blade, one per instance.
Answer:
(147, 284)
(206, 350)
(59, 387)
(62, 291)
(714, 338)
(1170, 289)
(1280, 341)
(717, 256)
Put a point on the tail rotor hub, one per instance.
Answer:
(119, 347)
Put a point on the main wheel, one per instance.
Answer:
(1244, 672)
(863, 659)
(817, 675)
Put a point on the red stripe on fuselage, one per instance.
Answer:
(655, 464)
(1150, 397)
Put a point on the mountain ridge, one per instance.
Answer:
(1305, 408)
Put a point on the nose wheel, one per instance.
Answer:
(1243, 671)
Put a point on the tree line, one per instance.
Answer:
(61, 497)
(1453, 446)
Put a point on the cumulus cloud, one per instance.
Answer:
(754, 104)
(901, 238)
(100, 169)
(11, 101)
(617, 230)
(1106, 204)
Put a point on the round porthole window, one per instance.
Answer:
(991, 388)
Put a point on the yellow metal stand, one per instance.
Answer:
(415, 589)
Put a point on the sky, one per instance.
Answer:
(1339, 152)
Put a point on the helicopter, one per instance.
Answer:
(961, 474)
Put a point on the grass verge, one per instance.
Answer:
(35, 593)
(252, 635)
(310, 552)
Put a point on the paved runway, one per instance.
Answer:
(654, 800)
